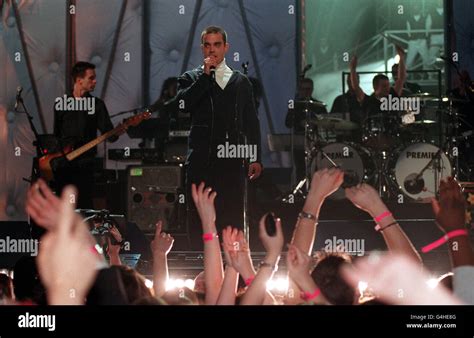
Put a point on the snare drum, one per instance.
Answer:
(408, 164)
(354, 159)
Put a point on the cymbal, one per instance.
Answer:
(334, 123)
(424, 122)
(383, 116)
(449, 99)
(423, 95)
(308, 105)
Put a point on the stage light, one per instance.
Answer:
(169, 284)
(278, 284)
(362, 286)
(148, 283)
(179, 283)
(189, 283)
(432, 283)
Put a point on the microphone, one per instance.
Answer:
(213, 73)
(245, 66)
(19, 89)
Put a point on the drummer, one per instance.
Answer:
(381, 85)
(296, 118)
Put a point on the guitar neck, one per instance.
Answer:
(81, 150)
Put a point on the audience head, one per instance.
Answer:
(327, 277)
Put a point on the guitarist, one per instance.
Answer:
(76, 120)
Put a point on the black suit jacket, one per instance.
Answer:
(235, 111)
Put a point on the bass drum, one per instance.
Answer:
(419, 169)
(354, 159)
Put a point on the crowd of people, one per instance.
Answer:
(72, 268)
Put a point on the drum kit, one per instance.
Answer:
(404, 155)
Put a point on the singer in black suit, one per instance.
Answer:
(222, 109)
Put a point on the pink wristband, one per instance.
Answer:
(382, 216)
(310, 296)
(209, 236)
(444, 239)
(249, 280)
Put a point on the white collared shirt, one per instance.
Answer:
(223, 74)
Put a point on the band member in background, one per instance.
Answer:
(305, 93)
(380, 128)
(222, 110)
(381, 85)
(164, 114)
(295, 118)
(347, 104)
(164, 106)
(76, 127)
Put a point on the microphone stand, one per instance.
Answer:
(37, 143)
(241, 136)
(292, 143)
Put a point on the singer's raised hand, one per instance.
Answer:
(209, 63)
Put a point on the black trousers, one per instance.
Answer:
(226, 177)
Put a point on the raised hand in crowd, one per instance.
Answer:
(450, 214)
(450, 210)
(213, 267)
(204, 201)
(114, 246)
(367, 198)
(299, 265)
(230, 245)
(273, 245)
(67, 262)
(43, 205)
(160, 247)
(397, 279)
(323, 184)
(237, 253)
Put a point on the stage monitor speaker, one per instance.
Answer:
(156, 193)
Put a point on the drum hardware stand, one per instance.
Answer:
(452, 112)
(311, 147)
(382, 183)
(303, 182)
(308, 151)
(292, 145)
(414, 183)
